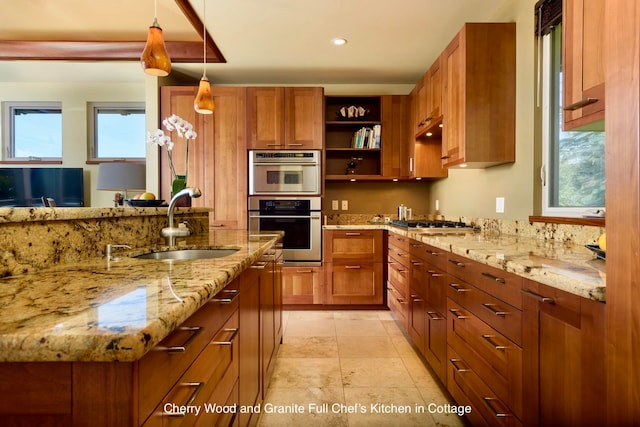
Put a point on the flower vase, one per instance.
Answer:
(179, 184)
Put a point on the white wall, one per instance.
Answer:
(74, 98)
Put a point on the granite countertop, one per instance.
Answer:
(571, 268)
(102, 310)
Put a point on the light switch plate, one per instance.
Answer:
(334, 205)
(499, 204)
(345, 205)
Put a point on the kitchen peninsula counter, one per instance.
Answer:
(571, 268)
(98, 310)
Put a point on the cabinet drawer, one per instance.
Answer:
(353, 245)
(430, 254)
(399, 255)
(399, 276)
(353, 283)
(399, 241)
(467, 387)
(492, 356)
(210, 379)
(496, 282)
(496, 313)
(398, 304)
(173, 355)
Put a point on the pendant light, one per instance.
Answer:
(154, 58)
(203, 103)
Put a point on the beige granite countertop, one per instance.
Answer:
(101, 310)
(571, 268)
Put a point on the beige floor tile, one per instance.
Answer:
(392, 327)
(374, 373)
(384, 406)
(311, 314)
(310, 328)
(435, 399)
(421, 375)
(363, 347)
(307, 406)
(311, 372)
(360, 328)
(308, 347)
(357, 315)
(405, 349)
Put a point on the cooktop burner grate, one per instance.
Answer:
(418, 223)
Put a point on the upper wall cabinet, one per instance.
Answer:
(281, 118)
(582, 62)
(479, 93)
(428, 92)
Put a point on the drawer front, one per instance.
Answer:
(468, 388)
(499, 283)
(496, 313)
(438, 282)
(178, 350)
(399, 241)
(399, 305)
(399, 255)
(209, 380)
(430, 254)
(399, 276)
(493, 357)
(435, 345)
(353, 245)
(353, 283)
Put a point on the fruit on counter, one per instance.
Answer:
(147, 196)
(602, 241)
(137, 196)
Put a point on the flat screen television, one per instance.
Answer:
(25, 187)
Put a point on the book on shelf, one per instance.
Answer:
(366, 137)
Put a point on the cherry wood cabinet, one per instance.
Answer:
(353, 261)
(398, 278)
(564, 358)
(479, 71)
(396, 156)
(583, 62)
(281, 118)
(428, 112)
(217, 157)
(302, 285)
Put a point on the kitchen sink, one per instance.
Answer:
(187, 254)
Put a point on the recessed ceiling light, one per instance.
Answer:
(339, 41)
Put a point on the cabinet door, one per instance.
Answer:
(265, 117)
(422, 104)
(249, 360)
(435, 340)
(353, 245)
(564, 358)
(583, 62)
(267, 321)
(396, 161)
(304, 118)
(434, 105)
(453, 133)
(302, 285)
(353, 283)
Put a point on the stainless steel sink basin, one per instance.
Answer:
(186, 254)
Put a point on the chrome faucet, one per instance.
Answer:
(110, 248)
(171, 232)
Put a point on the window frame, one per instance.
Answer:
(92, 137)
(8, 134)
(549, 94)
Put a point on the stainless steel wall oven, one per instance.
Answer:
(290, 172)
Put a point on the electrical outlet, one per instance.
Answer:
(334, 205)
(437, 205)
(499, 204)
(345, 205)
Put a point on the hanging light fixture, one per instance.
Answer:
(154, 58)
(203, 103)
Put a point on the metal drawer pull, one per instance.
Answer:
(416, 263)
(415, 245)
(538, 297)
(234, 294)
(491, 308)
(195, 330)
(401, 301)
(580, 104)
(435, 253)
(455, 313)
(495, 278)
(496, 413)
(192, 398)
(416, 298)
(352, 234)
(455, 363)
(456, 263)
(458, 288)
(234, 332)
(434, 274)
(291, 144)
(304, 271)
(259, 265)
(488, 338)
(216, 225)
(352, 267)
(434, 315)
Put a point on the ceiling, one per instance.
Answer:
(263, 42)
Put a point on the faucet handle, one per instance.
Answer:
(110, 247)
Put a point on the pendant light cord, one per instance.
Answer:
(204, 39)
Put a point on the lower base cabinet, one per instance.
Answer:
(302, 285)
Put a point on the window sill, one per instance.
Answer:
(31, 162)
(130, 160)
(596, 222)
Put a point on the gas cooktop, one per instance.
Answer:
(420, 223)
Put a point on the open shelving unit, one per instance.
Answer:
(339, 133)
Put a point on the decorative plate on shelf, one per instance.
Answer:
(352, 112)
(142, 203)
(600, 254)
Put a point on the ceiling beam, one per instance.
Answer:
(179, 52)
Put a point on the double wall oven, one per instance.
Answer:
(284, 195)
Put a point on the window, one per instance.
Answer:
(573, 162)
(116, 131)
(33, 131)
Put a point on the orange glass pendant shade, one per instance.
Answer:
(203, 103)
(155, 59)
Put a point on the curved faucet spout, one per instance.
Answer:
(171, 232)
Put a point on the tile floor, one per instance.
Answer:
(344, 368)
